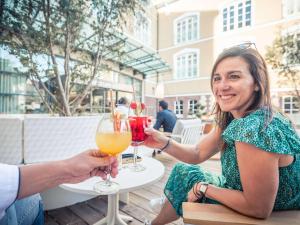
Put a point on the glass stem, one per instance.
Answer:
(108, 181)
(135, 149)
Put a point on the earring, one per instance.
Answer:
(256, 88)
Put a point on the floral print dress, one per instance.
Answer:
(278, 136)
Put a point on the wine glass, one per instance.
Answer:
(113, 136)
(137, 125)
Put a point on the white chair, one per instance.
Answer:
(187, 131)
(11, 138)
(192, 133)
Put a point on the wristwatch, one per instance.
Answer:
(203, 187)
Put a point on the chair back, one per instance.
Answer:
(192, 133)
(187, 131)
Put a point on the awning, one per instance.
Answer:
(135, 55)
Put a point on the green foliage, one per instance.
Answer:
(80, 32)
(284, 57)
(201, 110)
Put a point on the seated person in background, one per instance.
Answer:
(19, 202)
(260, 147)
(122, 106)
(165, 118)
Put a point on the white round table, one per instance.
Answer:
(128, 181)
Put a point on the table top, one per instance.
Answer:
(127, 179)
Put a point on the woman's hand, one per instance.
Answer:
(155, 139)
(192, 193)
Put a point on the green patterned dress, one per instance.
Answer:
(279, 137)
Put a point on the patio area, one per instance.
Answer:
(93, 210)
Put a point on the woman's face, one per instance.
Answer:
(233, 86)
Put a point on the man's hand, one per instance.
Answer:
(90, 163)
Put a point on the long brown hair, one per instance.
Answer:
(258, 70)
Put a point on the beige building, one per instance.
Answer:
(191, 33)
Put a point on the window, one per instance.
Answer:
(240, 15)
(186, 28)
(291, 7)
(248, 13)
(237, 15)
(142, 29)
(178, 106)
(192, 107)
(225, 19)
(231, 18)
(291, 104)
(186, 64)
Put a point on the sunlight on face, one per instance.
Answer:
(233, 86)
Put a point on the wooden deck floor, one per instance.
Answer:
(91, 211)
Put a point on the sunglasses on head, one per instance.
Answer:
(246, 45)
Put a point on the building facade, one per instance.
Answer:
(122, 76)
(170, 49)
(191, 33)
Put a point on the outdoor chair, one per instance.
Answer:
(186, 132)
(212, 214)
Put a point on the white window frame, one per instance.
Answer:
(238, 12)
(291, 109)
(185, 18)
(295, 5)
(141, 33)
(178, 108)
(192, 106)
(185, 68)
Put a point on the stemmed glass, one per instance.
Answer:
(137, 124)
(113, 136)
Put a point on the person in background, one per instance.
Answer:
(123, 106)
(19, 202)
(259, 146)
(165, 118)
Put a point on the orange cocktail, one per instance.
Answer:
(113, 143)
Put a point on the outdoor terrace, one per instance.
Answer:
(93, 210)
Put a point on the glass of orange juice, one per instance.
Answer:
(113, 136)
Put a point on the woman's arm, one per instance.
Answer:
(207, 146)
(259, 178)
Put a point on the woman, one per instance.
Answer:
(260, 148)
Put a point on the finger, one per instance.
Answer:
(149, 131)
(100, 161)
(114, 172)
(101, 174)
(97, 153)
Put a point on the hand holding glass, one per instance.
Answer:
(113, 136)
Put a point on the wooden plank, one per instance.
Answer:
(49, 220)
(146, 194)
(99, 204)
(65, 216)
(86, 213)
(210, 214)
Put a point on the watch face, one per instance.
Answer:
(203, 188)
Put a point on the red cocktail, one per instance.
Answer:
(137, 125)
